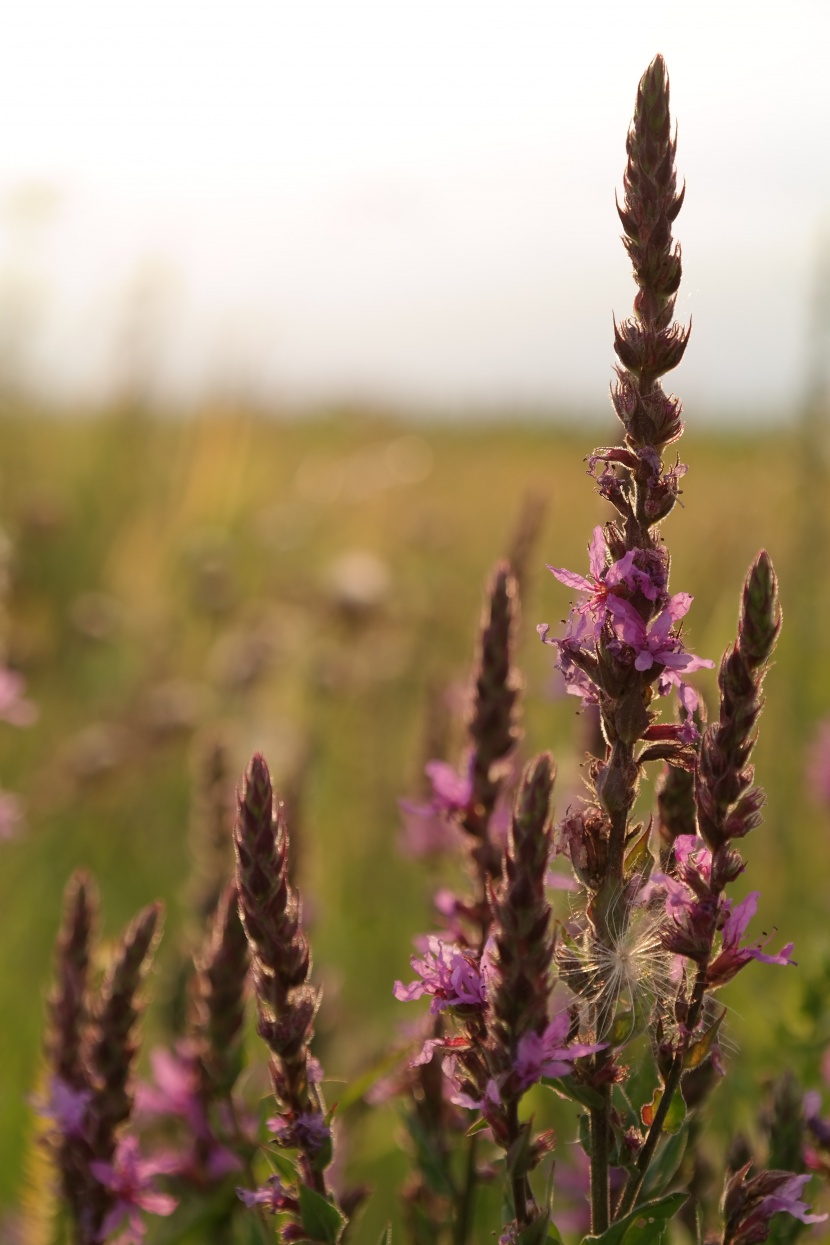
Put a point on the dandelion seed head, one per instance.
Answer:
(627, 965)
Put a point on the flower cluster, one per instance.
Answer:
(607, 619)
(696, 912)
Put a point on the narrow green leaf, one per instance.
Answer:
(321, 1220)
(431, 1162)
(566, 1087)
(517, 1162)
(675, 1115)
(638, 858)
(535, 1233)
(664, 1165)
(651, 1217)
(285, 1167)
(385, 1237)
(696, 1054)
(622, 1028)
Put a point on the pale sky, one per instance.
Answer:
(406, 201)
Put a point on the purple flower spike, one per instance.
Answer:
(454, 977)
(545, 1054)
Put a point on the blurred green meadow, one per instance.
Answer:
(309, 589)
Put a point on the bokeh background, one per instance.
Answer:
(304, 310)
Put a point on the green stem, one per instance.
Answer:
(635, 1180)
(600, 1174)
(465, 1205)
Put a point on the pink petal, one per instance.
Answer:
(406, 994)
(156, 1203)
(596, 552)
(679, 605)
(571, 580)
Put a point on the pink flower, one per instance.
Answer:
(176, 1093)
(308, 1131)
(578, 633)
(749, 1204)
(732, 956)
(429, 827)
(452, 975)
(545, 1054)
(272, 1196)
(130, 1179)
(655, 644)
(65, 1107)
(176, 1089)
(603, 579)
(696, 913)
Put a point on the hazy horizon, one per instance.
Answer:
(411, 205)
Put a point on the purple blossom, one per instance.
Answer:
(732, 956)
(429, 827)
(560, 881)
(749, 1204)
(176, 1089)
(787, 1198)
(654, 644)
(819, 1128)
(272, 1196)
(130, 1179)
(603, 578)
(65, 1107)
(451, 792)
(176, 1093)
(697, 912)
(461, 1098)
(545, 1054)
(454, 977)
(578, 633)
(308, 1131)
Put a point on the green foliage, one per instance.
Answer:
(320, 1219)
(645, 1225)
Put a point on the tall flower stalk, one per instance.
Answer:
(91, 1048)
(287, 1002)
(623, 649)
